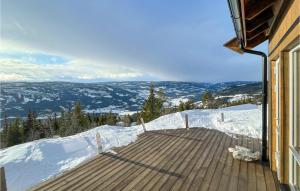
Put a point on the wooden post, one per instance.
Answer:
(143, 124)
(186, 121)
(98, 141)
(222, 117)
(2, 181)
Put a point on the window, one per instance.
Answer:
(295, 118)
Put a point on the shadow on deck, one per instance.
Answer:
(194, 159)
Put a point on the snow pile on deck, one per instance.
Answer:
(30, 163)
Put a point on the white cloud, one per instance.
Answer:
(12, 77)
(15, 70)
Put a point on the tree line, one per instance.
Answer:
(68, 122)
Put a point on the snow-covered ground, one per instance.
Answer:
(30, 163)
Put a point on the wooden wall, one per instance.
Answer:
(289, 18)
(280, 43)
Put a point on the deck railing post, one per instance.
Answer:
(222, 117)
(143, 124)
(3, 180)
(99, 145)
(186, 121)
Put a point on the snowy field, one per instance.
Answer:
(30, 163)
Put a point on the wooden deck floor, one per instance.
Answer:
(194, 159)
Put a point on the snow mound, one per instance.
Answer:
(30, 163)
(242, 119)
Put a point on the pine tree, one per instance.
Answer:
(55, 124)
(189, 105)
(111, 119)
(28, 127)
(152, 106)
(61, 123)
(181, 106)
(207, 99)
(161, 96)
(4, 131)
(14, 133)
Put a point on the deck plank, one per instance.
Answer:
(224, 182)
(207, 161)
(260, 178)
(126, 165)
(153, 177)
(242, 181)
(181, 159)
(216, 179)
(213, 164)
(173, 153)
(234, 176)
(251, 184)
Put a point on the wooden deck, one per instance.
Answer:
(194, 159)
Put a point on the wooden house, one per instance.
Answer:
(278, 22)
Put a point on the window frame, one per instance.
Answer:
(294, 155)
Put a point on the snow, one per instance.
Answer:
(176, 101)
(235, 98)
(126, 112)
(30, 163)
(27, 100)
(243, 119)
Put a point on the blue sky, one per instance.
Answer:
(104, 40)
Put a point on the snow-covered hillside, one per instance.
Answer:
(30, 163)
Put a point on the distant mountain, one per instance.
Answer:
(17, 98)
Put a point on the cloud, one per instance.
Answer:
(14, 70)
(166, 40)
(12, 77)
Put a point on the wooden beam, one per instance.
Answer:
(263, 27)
(255, 8)
(256, 41)
(234, 44)
(257, 22)
(257, 34)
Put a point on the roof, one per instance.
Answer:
(256, 18)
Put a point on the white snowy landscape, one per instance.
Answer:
(31, 163)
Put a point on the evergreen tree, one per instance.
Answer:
(152, 106)
(111, 119)
(14, 133)
(102, 119)
(161, 96)
(207, 99)
(181, 106)
(4, 132)
(55, 124)
(189, 105)
(28, 126)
